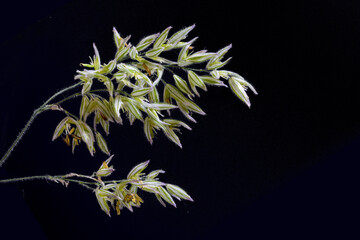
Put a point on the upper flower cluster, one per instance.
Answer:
(137, 88)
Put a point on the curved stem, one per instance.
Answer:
(68, 98)
(20, 135)
(61, 92)
(79, 176)
(70, 114)
(75, 95)
(39, 110)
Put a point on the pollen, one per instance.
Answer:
(118, 207)
(67, 140)
(147, 69)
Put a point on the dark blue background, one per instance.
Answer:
(286, 168)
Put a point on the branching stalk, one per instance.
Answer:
(39, 110)
(133, 92)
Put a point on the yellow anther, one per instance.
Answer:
(67, 140)
(72, 131)
(118, 207)
(105, 164)
(147, 69)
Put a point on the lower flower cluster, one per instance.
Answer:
(124, 193)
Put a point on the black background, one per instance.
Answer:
(286, 168)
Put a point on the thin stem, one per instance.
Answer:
(61, 92)
(39, 110)
(168, 69)
(91, 91)
(20, 135)
(186, 68)
(197, 69)
(86, 186)
(79, 181)
(70, 114)
(68, 98)
(66, 177)
(51, 178)
(79, 176)
(22, 179)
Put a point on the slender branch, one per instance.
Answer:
(68, 98)
(70, 114)
(22, 179)
(79, 176)
(75, 95)
(197, 69)
(39, 110)
(168, 69)
(20, 135)
(77, 181)
(57, 179)
(86, 186)
(66, 177)
(185, 68)
(61, 92)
